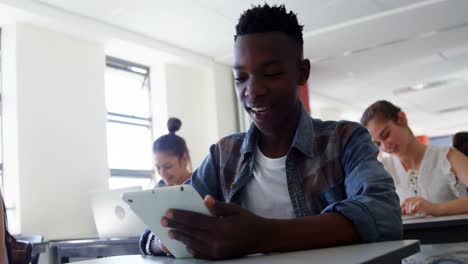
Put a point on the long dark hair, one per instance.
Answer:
(380, 109)
(460, 142)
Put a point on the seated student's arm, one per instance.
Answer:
(149, 244)
(2, 231)
(370, 213)
(418, 205)
(147, 241)
(372, 203)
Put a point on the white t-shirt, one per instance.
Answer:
(433, 181)
(267, 194)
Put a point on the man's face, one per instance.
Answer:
(267, 73)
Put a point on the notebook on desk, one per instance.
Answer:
(113, 217)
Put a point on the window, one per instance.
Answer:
(129, 126)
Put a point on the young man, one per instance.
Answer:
(291, 182)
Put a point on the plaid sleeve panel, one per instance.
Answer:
(370, 201)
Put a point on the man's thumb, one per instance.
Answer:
(218, 208)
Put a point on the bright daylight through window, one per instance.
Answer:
(129, 126)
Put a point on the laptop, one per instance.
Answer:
(113, 217)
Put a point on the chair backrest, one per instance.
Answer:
(19, 249)
(19, 252)
(32, 239)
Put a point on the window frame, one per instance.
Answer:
(131, 120)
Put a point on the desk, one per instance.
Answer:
(39, 247)
(442, 229)
(441, 253)
(381, 253)
(62, 251)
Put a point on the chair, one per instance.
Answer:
(33, 239)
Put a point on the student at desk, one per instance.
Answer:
(173, 164)
(428, 179)
(291, 182)
(172, 156)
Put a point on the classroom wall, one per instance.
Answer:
(56, 105)
(191, 98)
(226, 100)
(55, 122)
(9, 119)
(202, 97)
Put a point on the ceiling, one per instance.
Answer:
(361, 50)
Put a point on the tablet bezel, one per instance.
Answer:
(151, 205)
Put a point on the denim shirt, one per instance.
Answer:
(330, 166)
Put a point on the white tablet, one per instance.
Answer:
(151, 205)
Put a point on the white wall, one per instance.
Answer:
(55, 118)
(54, 121)
(226, 98)
(9, 119)
(58, 103)
(191, 98)
(204, 99)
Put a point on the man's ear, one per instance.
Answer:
(304, 71)
(402, 120)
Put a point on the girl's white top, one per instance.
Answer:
(433, 181)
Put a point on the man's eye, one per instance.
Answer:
(273, 75)
(239, 79)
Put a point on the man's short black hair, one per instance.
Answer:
(259, 19)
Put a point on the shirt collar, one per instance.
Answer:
(303, 138)
(305, 133)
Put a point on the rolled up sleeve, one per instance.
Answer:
(372, 204)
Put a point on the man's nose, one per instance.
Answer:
(254, 88)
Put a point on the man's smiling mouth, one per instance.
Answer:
(258, 109)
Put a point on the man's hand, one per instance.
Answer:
(418, 205)
(232, 232)
(163, 248)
